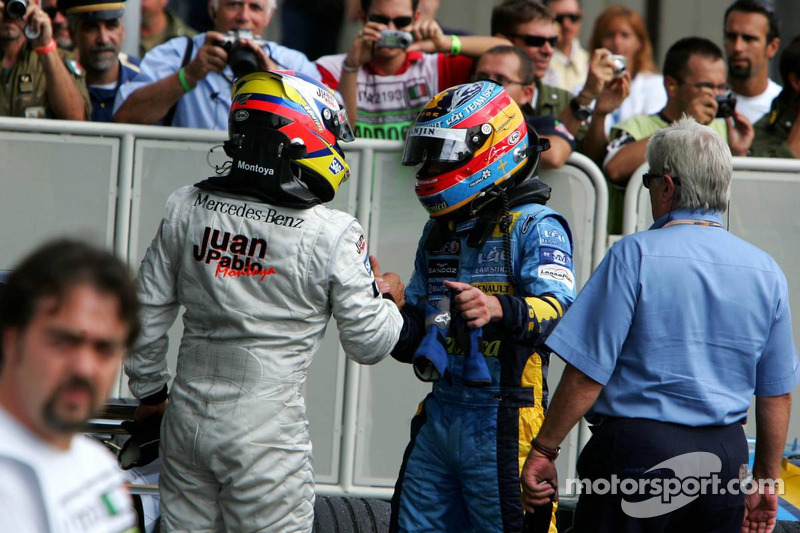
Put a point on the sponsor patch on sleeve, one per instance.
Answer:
(554, 256)
(552, 236)
(557, 273)
(361, 244)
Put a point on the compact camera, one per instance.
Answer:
(395, 39)
(16, 9)
(242, 60)
(726, 103)
(620, 65)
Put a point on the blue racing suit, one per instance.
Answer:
(461, 469)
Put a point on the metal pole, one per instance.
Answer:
(133, 24)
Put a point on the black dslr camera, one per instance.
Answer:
(16, 9)
(242, 60)
(726, 103)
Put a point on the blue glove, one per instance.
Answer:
(476, 373)
(430, 359)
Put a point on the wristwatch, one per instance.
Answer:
(581, 112)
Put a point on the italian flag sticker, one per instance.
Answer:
(419, 90)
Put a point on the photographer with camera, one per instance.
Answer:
(531, 26)
(38, 80)
(186, 82)
(695, 80)
(395, 64)
(623, 32)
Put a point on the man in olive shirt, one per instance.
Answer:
(778, 132)
(530, 26)
(38, 79)
(159, 25)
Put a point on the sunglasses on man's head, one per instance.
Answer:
(399, 22)
(535, 41)
(573, 17)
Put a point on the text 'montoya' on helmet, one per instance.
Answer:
(285, 126)
(469, 138)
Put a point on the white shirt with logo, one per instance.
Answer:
(44, 489)
(388, 104)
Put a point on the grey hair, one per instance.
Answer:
(271, 5)
(700, 158)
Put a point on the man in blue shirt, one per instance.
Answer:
(665, 347)
(97, 29)
(187, 82)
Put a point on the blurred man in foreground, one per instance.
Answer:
(67, 313)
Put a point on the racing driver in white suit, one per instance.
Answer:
(259, 265)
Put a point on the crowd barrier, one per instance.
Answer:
(108, 183)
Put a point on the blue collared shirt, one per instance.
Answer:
(682, 324)
(208, 105)
(102, 98)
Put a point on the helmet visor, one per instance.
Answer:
(442, 145)
(341, 127)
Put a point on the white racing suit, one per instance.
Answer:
(259, 284)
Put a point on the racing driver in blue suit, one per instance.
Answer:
(493, 275)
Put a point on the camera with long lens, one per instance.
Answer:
(620, 65)
(395, 39)
(16, 9)
(242, 60)
(726, 103)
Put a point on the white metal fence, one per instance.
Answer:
(108, 183)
